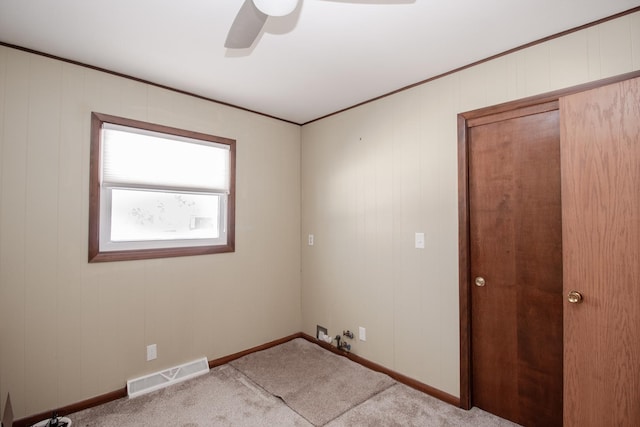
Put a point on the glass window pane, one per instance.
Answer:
(139, 215)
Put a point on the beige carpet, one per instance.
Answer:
(294, 384)
(314, 382)
(403, 406)
(224, 397)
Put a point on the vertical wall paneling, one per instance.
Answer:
(569, 60)
(537, 69)
(594, 58)
(135, 100)
(406, 163)
(417, 328)
(41, 231)
(3, 63)
(615, 46)
(12, 244)
(73, 330)
(635, 40)
(497, 74)
(70, 218)
(472, 87)
(3, 311)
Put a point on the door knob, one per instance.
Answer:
(574, 297)
(480, 281)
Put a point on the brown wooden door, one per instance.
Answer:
(516, 246)
(601, 238)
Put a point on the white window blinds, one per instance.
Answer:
(138, 157)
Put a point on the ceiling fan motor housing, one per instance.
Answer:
(276, 7)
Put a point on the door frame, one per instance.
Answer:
(466, 120)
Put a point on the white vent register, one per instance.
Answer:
(158, 380)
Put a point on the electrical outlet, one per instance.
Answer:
(321, 332)
(152, 352)
(362, 333)
(310, 240)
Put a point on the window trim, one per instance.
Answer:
(95, 161)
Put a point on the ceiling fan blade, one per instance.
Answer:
(246, 27)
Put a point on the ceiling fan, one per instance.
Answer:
(254, 13)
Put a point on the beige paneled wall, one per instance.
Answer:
(375, 175)
(70, 330)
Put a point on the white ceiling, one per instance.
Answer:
(326, 56)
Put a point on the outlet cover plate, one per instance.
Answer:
(362, 333)
(321, 330)
(152, 352)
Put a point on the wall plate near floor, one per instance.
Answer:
(321, 332)
(362, 334)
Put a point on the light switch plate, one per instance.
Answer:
(419, 240)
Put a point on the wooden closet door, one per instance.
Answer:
(600, 152)
(516, 248)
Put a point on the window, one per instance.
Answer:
(157, 191)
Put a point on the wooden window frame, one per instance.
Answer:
(95, 255)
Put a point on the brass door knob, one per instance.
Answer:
(480, 281)
(574, 297)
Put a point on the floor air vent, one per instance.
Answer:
(158, 380)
